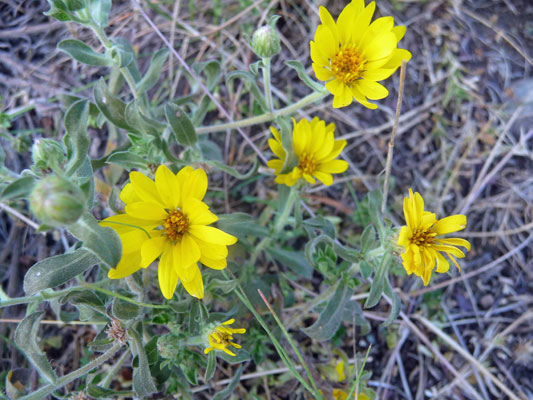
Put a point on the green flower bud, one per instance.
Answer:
(56, 201)
(265, 41)
(47, 154)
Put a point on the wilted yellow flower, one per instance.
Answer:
(316, 148)
(420, 239)
(352, 54)
(168, 218)
(339, 394)
(221, 338)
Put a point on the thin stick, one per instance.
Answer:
(23, 218)
(480, 367)
(393, 134)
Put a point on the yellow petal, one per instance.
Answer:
(129, 264)
(327, 20)
(450, 224)
(372, 90)
(321, 73)
(195, 185)
(361, 24)
(442, 264)
(167, 187)
(396, 58)
(195, 287)
(326, 42)
(128, 194)
(449, 249)
(405, 236)
(454, 242)
(211, 250)
(218, 263)
(276, 148)
(151, 249)
(382, 46)
(323, 177)
(148, 211)
(359, 97)
(377, 74)
(122, 223)
(187, 252)
(145, 188)
(399, 32)
(167, 276)
(212, 235)
(334, 167)
(197, 212)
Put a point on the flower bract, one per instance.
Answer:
(423, 246)
(167, 218)
(220, 338)
(316, 148)
(352, 54)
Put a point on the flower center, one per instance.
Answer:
(307, 164)
(175, 225)
(423, 238)
(347, 65)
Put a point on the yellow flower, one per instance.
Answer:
(168, 218)
(339, 394)
(316, 148)
(352, 54)
(221, 337)
(420, 239)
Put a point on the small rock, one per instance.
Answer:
(487, 301)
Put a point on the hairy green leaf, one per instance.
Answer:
(295, 260)
(100, 241)
(330, 318)
(154, 71)
(228, 390)
(109, 105)
(76, 138)
(83, 53)
(19, 188)
(56, 270)
(143, 383)
(26, 340)
(181, 125)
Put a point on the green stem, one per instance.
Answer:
(281, 221)
(46, 390)
(32, 299)
(315, 96)
(113, 371)
(119, 296)
(266, 80)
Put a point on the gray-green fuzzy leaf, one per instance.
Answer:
(109, 105)
(330, 318)
(102, 242)
(76, 137)
(224, 394)
(143, 383)
(56, 270)
(154, 71)
(26, 340)
(18, 189)
(181, 125)
(83, 53)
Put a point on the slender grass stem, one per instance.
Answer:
(119, 296)
(388, 166)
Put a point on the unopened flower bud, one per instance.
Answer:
(47, 154)
(265, 41)
(56, 201)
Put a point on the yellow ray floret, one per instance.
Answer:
(423, 246)
(166, 218)
(220, 338)
(353, 54)
(316, 148)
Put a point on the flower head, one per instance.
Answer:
(316, 148)
(353, 54)
(220, 338)
(421, 241)
(167, 218)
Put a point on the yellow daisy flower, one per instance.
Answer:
(168, 218)
(316, 148)
(221, 338)
(352, 54)
(420, 239)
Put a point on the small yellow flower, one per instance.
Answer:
(316, 148)
(339, 394)
(352, 54)
(221, 338)
(420, 239)
(168, 218)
